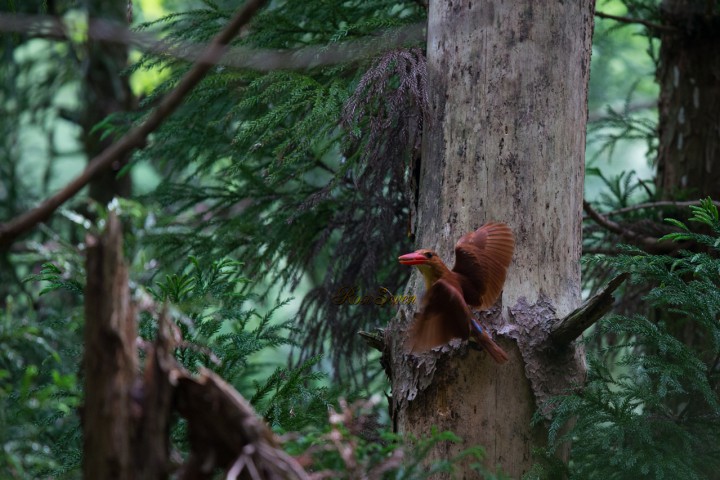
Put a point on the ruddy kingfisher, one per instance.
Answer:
(482, 258)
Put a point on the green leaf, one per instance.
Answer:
(677, 223)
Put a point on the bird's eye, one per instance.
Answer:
(428, 254)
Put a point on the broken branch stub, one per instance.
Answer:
(226, 433)
(566, 330)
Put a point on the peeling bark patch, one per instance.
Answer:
(411, 373)
(551, 372)
(417, 371)
(423, 369)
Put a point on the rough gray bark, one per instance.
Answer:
(505, 142)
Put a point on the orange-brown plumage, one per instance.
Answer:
(481, 261)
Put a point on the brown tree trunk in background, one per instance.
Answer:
(688, 165)
(110, 360)
(105, 92)
(505, 142)
(689, 108)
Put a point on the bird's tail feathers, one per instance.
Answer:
(493, 349)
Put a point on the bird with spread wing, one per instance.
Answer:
(481, 261)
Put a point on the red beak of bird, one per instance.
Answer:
(414, 258)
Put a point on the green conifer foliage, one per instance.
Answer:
(220, 330)
(299, 174)
(655, 412)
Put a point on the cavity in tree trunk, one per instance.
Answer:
(505, 142)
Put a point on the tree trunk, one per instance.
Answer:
(689, 123)
(106, 91)
(505, 142)
(110, 359)
(689, 133)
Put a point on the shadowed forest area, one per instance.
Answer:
(202, 206)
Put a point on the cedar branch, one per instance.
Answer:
(659, 204)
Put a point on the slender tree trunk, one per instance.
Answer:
(689, 123)
(505, 142)
(106, 91)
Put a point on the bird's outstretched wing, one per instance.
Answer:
(443, 316)
(481, 261)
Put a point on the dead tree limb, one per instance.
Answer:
(374, 339)
(571, 327)
(127, 416)
(226, 433)
(638, 21)
(152, 435)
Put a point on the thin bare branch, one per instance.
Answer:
(659, 204)
(651, 25)
(238, 57)
(602, 115)
(237, 467)
(137, 137)
(601, 251)
(618, 229)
